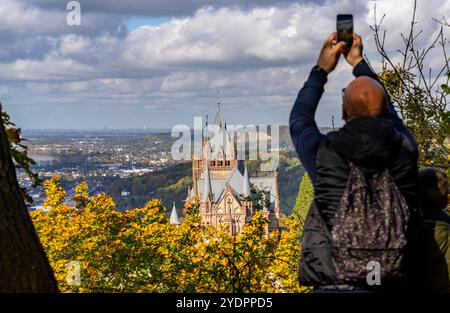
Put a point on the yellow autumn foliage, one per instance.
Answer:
(140, 251)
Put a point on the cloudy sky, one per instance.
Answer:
(157, 63)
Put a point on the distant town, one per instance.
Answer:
(131, 166)
(99, 157)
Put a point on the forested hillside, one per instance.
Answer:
(171, 184)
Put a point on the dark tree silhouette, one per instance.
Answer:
(23, 264)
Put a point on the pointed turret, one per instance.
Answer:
(246, 184)
(207, 189)
(218, 120)
(207, 150)
(174, 216)
(188, 198)
(205, 133)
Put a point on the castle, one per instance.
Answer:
(224, 186)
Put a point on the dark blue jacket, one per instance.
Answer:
(303, 128)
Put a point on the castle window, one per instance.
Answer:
(227, 163)
(213, 163)
(219, 163)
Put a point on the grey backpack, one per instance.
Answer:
(370, 225)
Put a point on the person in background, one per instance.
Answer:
(433, 185)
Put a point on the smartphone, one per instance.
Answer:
(344, 26)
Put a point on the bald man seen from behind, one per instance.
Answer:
(374, 140)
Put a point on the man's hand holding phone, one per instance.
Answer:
(330, 53)
(354, 55)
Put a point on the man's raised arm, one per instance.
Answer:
(361, 68)
(302, 126)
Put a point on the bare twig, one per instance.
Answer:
(412, 84)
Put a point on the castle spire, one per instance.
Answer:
(218, 100)
(205, 133)
(218, 120)
(174, 216)
(207, 189)
(246, 184)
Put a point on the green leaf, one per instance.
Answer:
(446, 88)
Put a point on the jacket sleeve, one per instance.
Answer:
(302, 126)
(363, 69)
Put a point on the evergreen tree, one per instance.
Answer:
(304, 198)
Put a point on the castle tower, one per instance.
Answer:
(207, 200)
(223, 183)
(222, 159)
(246, 184)
(207, 189)
(275, 220)
(247, 204)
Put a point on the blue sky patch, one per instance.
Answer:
(135, 22)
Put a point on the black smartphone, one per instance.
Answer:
(344, 27)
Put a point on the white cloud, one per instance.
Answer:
(259, 57)
(73, 44)
(17, 17)
(229, 34)
(51, 68)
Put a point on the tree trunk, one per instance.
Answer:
(23, 264)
